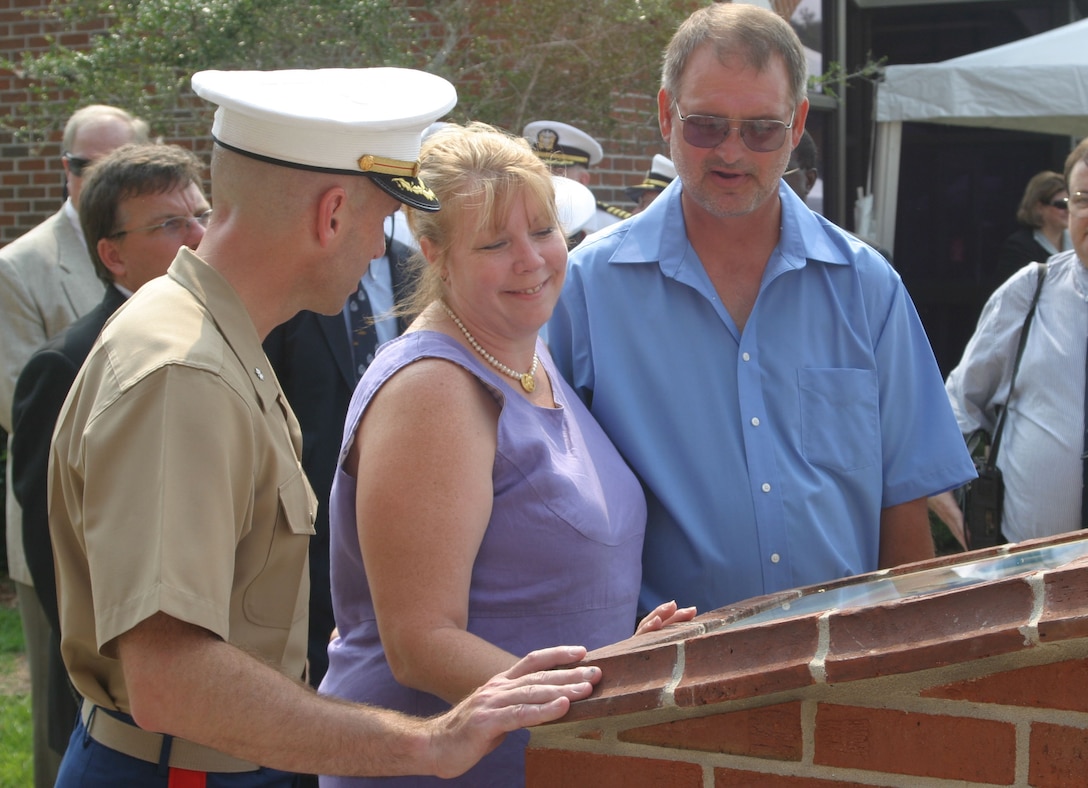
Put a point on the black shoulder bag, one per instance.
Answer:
(984, 497)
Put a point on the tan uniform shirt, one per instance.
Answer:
(176, 484)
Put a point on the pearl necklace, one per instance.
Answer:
(526, 379)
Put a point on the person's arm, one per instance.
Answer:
(39, 395)
(904, 534)
(426, 453)
(22, 332)
(185, 681)
(946, 508)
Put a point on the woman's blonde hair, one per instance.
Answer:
(470, 167)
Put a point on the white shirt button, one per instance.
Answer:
(765, 487)
(746, 356)
(755, 421)
(775, 558)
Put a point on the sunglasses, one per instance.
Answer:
(1062, 203)
(710, 131)
(76, 164)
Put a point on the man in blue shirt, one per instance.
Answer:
(763, 371)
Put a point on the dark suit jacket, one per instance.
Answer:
(312, 358)
(39, 395)
(1019, 249)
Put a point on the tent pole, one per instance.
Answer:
(889, 137)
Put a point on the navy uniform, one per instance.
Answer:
(570, 152)
(661, 174)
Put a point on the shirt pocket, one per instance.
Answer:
(275, 597)
(840, 417)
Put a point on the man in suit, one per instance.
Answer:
(318, 360)
(47, 281)
(139, 204)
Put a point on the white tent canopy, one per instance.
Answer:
(1037, 84)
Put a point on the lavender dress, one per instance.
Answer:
(560, 562)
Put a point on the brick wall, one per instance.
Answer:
(981, 685)
(31, 177)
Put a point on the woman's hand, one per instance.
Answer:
(663, 615)
(946, 508)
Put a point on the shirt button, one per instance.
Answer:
(745, 356)
(755, 421)
(775, 558)
(765, 487)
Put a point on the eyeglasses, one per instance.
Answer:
(1078, 202)
(76, 164)
(791, 171)
(175, 226)
(710, 131)
(1061, 203)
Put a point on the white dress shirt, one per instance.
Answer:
(1040, 452)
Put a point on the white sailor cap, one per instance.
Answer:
(561, 144)
(661, 174)
(574, 203)
(361, 121)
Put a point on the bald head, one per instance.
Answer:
(91, 133)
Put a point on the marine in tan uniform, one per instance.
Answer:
(180, 514)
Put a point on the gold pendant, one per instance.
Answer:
(528, 382)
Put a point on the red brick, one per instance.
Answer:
(629, 682)
(923, 745)
(769, 732)
(928, 631)
(1062, 685)
(747, 662)
(1058, 756)
(735, 778)
(1065, 604)
(553, 768)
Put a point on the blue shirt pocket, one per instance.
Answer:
(840, 417)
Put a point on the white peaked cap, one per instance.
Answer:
(662, 173)
(362, 121)
(574, 203)
(562, 144)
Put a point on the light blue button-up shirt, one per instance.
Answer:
(766, 455)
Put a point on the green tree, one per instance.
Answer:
(568, 59)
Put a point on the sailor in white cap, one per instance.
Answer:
(570, 152)
(661, 174)
(180, 515)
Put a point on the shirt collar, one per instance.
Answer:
(73, 217)
(658, 234)
(228, 312)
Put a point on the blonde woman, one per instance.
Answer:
(478, 511)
